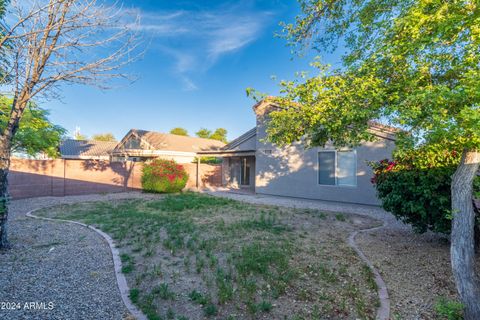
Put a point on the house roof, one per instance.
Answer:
(238, 141)
(173, 142)
(71, 148)
(269, 104)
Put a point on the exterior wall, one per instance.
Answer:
(293, 171)
(225, 171)
(179, 159)
(183, 159)
(210, 175)
(36, 178)
(249, 144)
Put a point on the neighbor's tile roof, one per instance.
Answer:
(173, 142)
(86, 148)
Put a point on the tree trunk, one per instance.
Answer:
(476, 209)
(4, 166)
(463, 248)
(477, 239)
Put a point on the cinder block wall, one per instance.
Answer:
(37, 178)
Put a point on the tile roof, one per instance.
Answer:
(86, 148)
(173, 142)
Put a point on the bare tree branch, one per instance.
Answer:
(45, 43)
(70, 41)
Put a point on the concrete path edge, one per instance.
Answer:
(121, 280)
(383, 311)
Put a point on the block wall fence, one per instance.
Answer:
(64, 177)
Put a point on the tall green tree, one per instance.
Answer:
(203, 133)
(107, 137)
(179, 131)
(79, 136)
(219, 134)
(35, 133)
(415, 64)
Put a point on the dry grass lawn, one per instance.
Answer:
(193, 256)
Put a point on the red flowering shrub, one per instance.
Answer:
(163, 176)
(416, 187)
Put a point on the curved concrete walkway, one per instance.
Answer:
(383, 312)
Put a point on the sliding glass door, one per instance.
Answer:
(244, 172)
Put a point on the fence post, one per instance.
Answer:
(126, 177)
(64, 175)
(51, 177)
(198, 173)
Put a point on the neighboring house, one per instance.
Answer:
(141, 145)
(23, 155)
(318, 173)
(86, 149)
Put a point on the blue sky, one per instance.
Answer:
(201, 57)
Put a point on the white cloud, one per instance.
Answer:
(188, 84)
(233, 37)
(196, 40)
(159, 29)
(184, 63)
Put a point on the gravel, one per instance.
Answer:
(57, 270)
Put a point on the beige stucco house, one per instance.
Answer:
(86, 149)
(142, 145)
(251, 164)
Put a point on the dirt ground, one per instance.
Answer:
(329, 280)
(236, 260)
(415, 267)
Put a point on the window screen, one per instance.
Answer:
(337, 168)
(346, 168)
(326, 168)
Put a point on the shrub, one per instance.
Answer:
(209, 160)
(449, 310)
(163, 176)
(415, 187)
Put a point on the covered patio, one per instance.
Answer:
(238, 168)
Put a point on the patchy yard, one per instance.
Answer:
(416, 268)
(192, 256)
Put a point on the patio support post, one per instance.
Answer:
(198, 173)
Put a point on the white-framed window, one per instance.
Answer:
(337, 168)
(133, 143)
